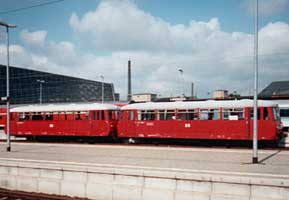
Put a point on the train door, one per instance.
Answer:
(250, 123)
(267, 126)
(97, 122)
(131, 119)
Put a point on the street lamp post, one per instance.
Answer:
(102, 88)
(7, 26)
(255, 121)
(182, 80)
(40, 89)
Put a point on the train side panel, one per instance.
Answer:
(96, 123)
(218, 126)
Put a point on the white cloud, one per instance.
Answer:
(273, 38)
(18, 55)
(119, 25)
(63, 53)
(268, 7)
(210, 57)
(36, 38)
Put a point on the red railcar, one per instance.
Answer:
(92, 119)
(213, 120)
(2, 118)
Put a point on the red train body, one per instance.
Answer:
(214, 120)
(2, 117)
(97, 120)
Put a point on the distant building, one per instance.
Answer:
(25, 87)
(144, 97)
(275, 90)
(220, 94)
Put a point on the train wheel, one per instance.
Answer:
(91, 140)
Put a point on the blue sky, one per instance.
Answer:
(54, 18)
(161, 36)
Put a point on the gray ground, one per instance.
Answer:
(275, 162)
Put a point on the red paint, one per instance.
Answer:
(78, 123)
(2, 117)
(220, 129)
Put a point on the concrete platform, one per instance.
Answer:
(132, 172)
(272, 162)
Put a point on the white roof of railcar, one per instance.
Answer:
(197, 104)
(64, 107)
(282, 103)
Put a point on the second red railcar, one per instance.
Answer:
(212, 120)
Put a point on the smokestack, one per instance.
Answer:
(192, 90)
(129, 82)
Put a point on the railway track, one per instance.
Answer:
(18, 195)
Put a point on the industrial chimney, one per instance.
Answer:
(129, 95)
(192, 90)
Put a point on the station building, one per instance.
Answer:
(144, 97)
(26, 87)
(275, 90)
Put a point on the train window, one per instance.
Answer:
(27, 116)
(162, 114)
(102, 116)
(0, 115)
(49, 116)
(77, 116)
(182, 114)
(284, 113)
(143, 115)
(83, 115)
(252, 114)
(204, 114)
(170, 115)
(131, 115)
(233, 114)
(21, 117)
(147, 115)
(166, 115)
(151, 114)
(226, 113)
(192, 115)
(266, 114)
(37, 116)
(213, 114)
(110, 115)
(209, 114)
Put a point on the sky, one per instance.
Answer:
(211, 41)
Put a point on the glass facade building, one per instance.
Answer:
(29, 86)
